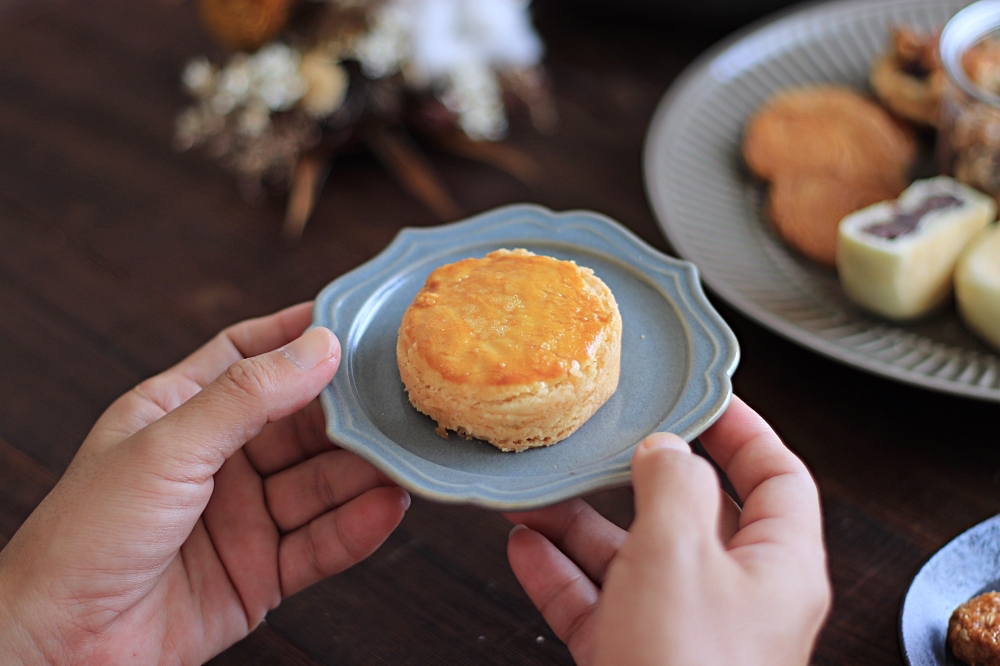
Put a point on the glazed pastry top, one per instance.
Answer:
(510, 318)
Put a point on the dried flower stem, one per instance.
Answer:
(415, 173)
(310, 173)
(504, 157)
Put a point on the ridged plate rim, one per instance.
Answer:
(736, 61)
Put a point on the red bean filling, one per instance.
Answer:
(905, 222)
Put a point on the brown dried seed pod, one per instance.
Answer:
(974, 630)
(829, 129)
(806, 208)
(244, 24)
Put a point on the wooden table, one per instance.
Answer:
(119, 256)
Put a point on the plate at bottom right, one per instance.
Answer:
(967, 566)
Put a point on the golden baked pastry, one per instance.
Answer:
(806, 209)
(908, 79)
(827, 129)
(515, 348)
(974, 630)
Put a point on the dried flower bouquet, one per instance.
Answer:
(306, 79)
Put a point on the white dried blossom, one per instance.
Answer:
(199, 77)
(253, 120)
(232, 87)
(384, 47)
(196, 124)
(450, 33)
(274, 70)
(326, 84)
(455, 47)
(474, 95)
(235, 77)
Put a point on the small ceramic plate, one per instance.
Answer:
(967, 567)
(710, 208)
(677, 359)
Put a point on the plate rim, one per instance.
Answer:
(653, 144)
(611, 472)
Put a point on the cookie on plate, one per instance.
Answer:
(806, 209)
(827, 129)
(514, 348)
(909, 79)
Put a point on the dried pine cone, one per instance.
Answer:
(244, 24)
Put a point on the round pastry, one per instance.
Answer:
(828, 129)
(806, 209)
(974, 630)
(977, 285)
(908, 79)
(515, 348)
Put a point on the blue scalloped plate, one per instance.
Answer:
(677, 359)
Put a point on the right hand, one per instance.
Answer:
(694, 580)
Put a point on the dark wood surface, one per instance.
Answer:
(119, 256)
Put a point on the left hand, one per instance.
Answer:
(200, 499)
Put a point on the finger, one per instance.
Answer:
(561, 592)
(301, 493)
(339, 539)
(729, 517)
(676, 492)
(576, 529)
(244, 536)
(289, 441)
(161, 394)
(191, 442)
(243, 340)
(775, 486)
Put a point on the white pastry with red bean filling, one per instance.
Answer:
(977, 285)
(896, 258)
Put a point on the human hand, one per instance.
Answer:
(199, 500)
(694, 580)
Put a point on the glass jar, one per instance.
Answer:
(968, 143)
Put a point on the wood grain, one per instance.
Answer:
(119, 256)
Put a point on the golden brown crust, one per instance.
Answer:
(908, 79)
(829, 129)
(907, 96)
(807, 208)
(974, 630)
(515, 348)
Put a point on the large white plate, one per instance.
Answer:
(710, 208)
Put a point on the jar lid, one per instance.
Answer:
(965, 29)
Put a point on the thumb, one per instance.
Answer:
(676, 492)
(197, 437)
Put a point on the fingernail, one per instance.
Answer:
(662, 440)
(517, 528)
(312, 348)
(406, 498)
